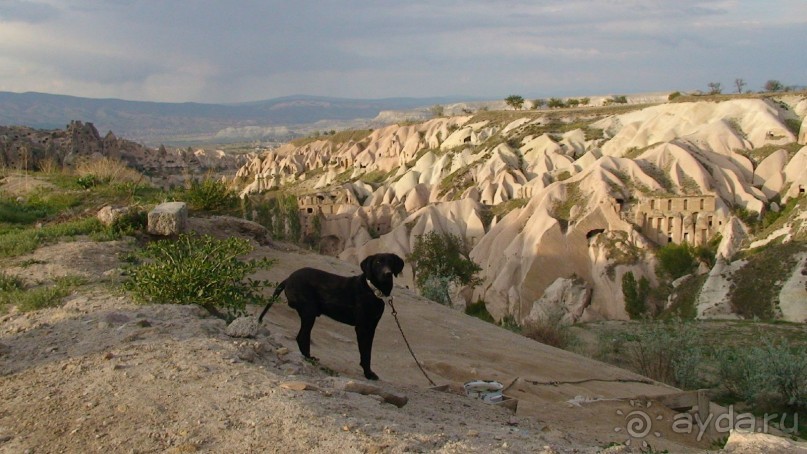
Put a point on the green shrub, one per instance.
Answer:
(670, 352)
(436, 288)
(87, 181)
(281, 216)
(442, 256)
(211, 195)
(551, 330)
(773, 370)
(199, 270)
(676, 260)
(134, 220)
(673, 95)
(635, 295)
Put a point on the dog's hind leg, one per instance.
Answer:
(304, 336)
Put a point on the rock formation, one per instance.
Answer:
(544, 198)
(27, 148)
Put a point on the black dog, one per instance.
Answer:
(312, 292)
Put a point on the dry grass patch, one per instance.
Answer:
(106, 170)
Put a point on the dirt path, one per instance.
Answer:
(101, 374)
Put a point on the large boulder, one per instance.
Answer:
(168, 219)
(569, 296)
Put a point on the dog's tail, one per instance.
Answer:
(280, 287)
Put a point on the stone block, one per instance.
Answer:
(168, 219)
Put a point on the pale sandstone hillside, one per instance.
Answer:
(559, 205)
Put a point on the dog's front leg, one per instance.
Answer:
(364, 337)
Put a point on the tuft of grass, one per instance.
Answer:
(479, 311)
(105, 170)
(9, 283)
(18, 242)
(551, 330)
(14, 212)
(502, 209)
(562, 209)
(27, 300)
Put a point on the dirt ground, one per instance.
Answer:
(102, 374)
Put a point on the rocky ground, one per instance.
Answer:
(102, 374)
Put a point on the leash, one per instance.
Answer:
(395, 316)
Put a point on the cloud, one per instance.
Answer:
(27, 11)
(217, 51)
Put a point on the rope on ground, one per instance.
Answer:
(395, 316)
(577, 382)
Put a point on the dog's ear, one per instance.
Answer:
(397, 264)
(366, 265)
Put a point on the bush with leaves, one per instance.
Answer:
(551, 329)
(669, 351)
(436, 288)
(635, 295)
(281, 216)
(676, 260)
(199, 270)
(514, 101)
(774, 369)
(442, 258)
(211, 195)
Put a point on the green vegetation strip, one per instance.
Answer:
(18, 242)
(13, 292)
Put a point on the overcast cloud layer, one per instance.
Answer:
(225, 51)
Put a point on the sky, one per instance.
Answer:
(248, 50)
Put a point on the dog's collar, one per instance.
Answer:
(378, 293)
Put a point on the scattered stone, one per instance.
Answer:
(282, 351)
(109, 214)
(472, 433)
(242, 327)
(5, 438)
(299, 386)
(247, 354)
(399, 400)
(168, 219)
(740, 442)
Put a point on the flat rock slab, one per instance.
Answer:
(168, 219)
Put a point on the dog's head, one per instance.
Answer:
(380, 268)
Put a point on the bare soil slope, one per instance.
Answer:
(101, 374)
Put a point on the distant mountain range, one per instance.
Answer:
(175, 123)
